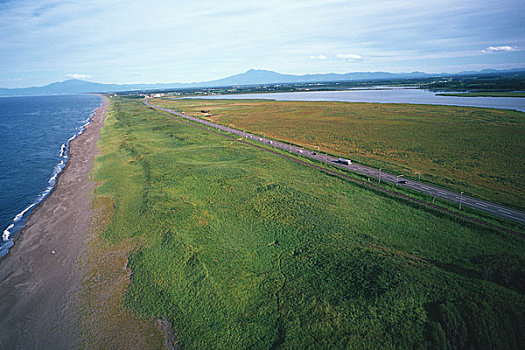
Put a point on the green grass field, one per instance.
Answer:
(475, 150)
(241, 249)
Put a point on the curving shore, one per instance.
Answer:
(41, 275)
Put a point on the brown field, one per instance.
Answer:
(476, 150)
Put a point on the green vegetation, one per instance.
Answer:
(475, 150)
(486, 94)
(239, 248)
(502, 81)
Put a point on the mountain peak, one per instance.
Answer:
(259, 71)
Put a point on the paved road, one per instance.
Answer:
(479, 204)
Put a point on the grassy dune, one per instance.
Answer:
(239, 248)
(475, 150)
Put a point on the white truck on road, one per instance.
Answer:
(344, 161)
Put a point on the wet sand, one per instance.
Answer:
(40, 277)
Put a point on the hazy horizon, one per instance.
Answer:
(88, 80)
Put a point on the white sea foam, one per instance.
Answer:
(64, 149)
(5, 236)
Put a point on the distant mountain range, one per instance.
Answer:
(250, 77)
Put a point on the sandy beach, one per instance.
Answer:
(40, 277)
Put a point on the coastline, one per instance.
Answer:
(9, 234)
(40, 277)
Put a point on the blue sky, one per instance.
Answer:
(114, 41)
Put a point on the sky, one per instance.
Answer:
(151, 41)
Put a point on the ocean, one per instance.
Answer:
(35, 133)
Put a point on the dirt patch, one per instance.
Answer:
(106, 324)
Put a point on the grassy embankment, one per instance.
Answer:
(239, 248)
(486, 94)
(475, 150)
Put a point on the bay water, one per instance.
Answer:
(380, 94)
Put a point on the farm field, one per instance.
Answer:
(238, 248)
(475, 150)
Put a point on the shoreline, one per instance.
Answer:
(9, 235)
(41, 276)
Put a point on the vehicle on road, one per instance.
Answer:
(344, 161)
(402, 182)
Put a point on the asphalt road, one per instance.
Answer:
(380, 176)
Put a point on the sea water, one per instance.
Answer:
(35, 133)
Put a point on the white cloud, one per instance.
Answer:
(491, 49)
(43, 40)
(77, 76)
(349, 56)
(318, 57)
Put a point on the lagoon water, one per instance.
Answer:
(34, 137)
(385, 95)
